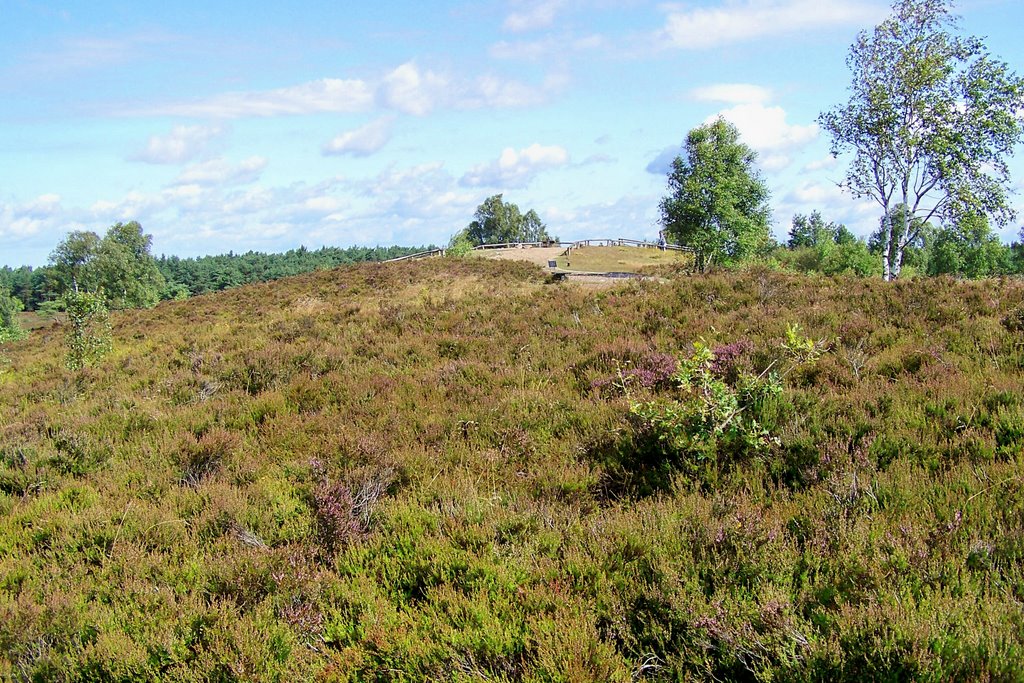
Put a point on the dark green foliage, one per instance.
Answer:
(30, 286)
(500, 222)
(718, 201)
(812, 231)
(818, 247)
(968, 249)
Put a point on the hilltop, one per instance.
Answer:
(442, 470)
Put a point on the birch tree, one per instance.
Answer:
(930, 123)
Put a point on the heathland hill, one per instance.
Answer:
(459, 470)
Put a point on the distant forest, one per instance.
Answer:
(191, 276)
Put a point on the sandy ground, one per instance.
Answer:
(538, 255)
(541, 256)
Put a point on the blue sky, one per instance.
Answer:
(249, 125)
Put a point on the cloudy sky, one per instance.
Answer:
(235, 125)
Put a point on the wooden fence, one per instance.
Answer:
(417, 255)
(625, 242)
(569, 246)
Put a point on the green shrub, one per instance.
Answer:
(717, 419)
(89, 334)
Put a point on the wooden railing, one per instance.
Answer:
(625, 242)
(417, 255)
(479, 247)
(520, 245)
(603, 242)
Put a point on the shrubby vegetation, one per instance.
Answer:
(968, 250)
(829, 248)
(10, 329)
(88, 336)
(434, 470)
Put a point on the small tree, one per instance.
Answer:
(930, 122)
(717, 202)
(74, 260)
(9, 309)
(126, 270)
(460, 244)
(89, 336)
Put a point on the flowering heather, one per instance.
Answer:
(294, 482)
(653, 370)
(337, 515)
(729, 359)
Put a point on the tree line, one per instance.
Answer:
(193, 276)
(931, 120)
(122, 266)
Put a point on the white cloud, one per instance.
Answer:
(774, 162)
(733, 93)
(498, 93)
(516, 169)
(362, 141)
(761, 126)
(20, 221)
(535, 15)
(183, 143)
(822, 164)
(43, 206)
(133, 206)
(419, 192)
(412, 90)
(326, 95)
(537, 50)
(220, 172)
(861, 216)
(765, 129)
(407, 88)
(817, 193)
(737, 21)
(629, 216)
(323, 204)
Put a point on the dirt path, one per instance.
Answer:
(538, 255)
(541, 256)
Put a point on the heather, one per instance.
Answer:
(441, 470)
(175, 277)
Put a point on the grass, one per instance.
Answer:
(620, 259)
(429, 471)
(30, 320)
